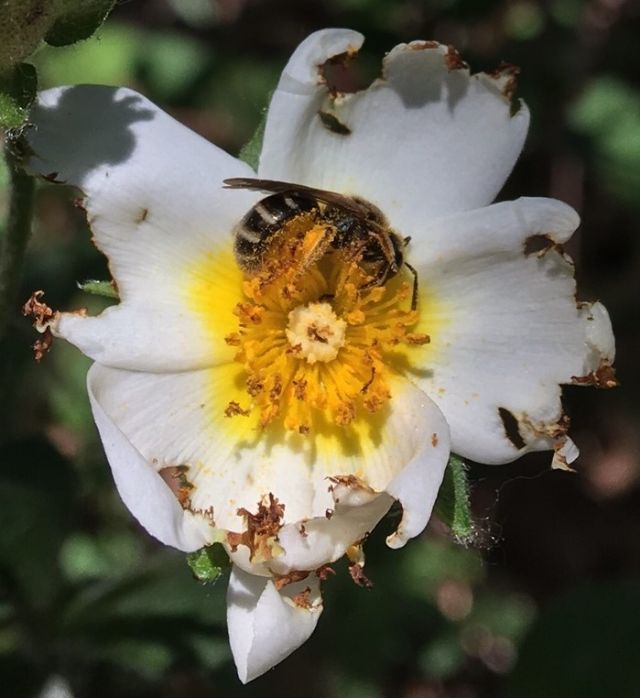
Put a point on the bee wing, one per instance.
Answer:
(346, 203)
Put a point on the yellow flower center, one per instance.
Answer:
(318, 339)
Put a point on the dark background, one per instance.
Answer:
(548, 603)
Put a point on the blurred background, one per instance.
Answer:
(546, 605)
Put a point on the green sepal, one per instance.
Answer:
(250, 151)
(18, 88)
(208, 564)
(453, 504)
(77, 21)
(107, 289)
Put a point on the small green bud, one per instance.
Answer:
(107, 289)
(208, 564)
(453, 506)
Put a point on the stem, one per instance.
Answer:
(16, 235)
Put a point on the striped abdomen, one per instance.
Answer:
(267, 217)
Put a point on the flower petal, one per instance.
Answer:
(266, 625)
(506, 328)
(156, 205)
(425, 140)
(335, 484)
(141, 489)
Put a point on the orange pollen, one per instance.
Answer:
(316, 339)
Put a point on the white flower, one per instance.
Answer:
(286, 450)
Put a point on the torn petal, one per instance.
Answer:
(565, 453)
(266, 625)
(462, 139)
(505, 329)
(141, 488)
(157, 209)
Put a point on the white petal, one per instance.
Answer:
(425, 140)
(156, 205)
(266, 626)
(142, 490)
(178, 419)
(599, 334)
(505, 329)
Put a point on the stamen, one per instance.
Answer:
(316, 339)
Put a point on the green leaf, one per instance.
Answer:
(608, 114)
(78, 21)
(208, 564)
(17, 92)
(37, 493)
(250, 152)
(583, 645)
(99, 288)
(107, 59)
(453, 506)
(171, 63)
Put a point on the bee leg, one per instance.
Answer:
(380, 279)
(313, 249)
(414, 294)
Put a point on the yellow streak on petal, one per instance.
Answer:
(213, 288)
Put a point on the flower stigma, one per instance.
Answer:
(316, 332)
(318, 338)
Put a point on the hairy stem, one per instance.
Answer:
(16, 235)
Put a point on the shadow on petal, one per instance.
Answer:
(85, 127)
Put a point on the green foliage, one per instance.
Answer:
(107, 555)
(36, 486)
(107, 59)
(208, 564)
(423, 567)
(18, 87)
(105, 289)
(168, 62)
(250, 152)
(77, 20)
(453, 504)
(608, 113)
(585, 645)
(24, 24)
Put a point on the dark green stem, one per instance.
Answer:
(16, 235)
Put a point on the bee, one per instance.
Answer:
(353, 225)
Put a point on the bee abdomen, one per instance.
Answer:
(265, 219)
